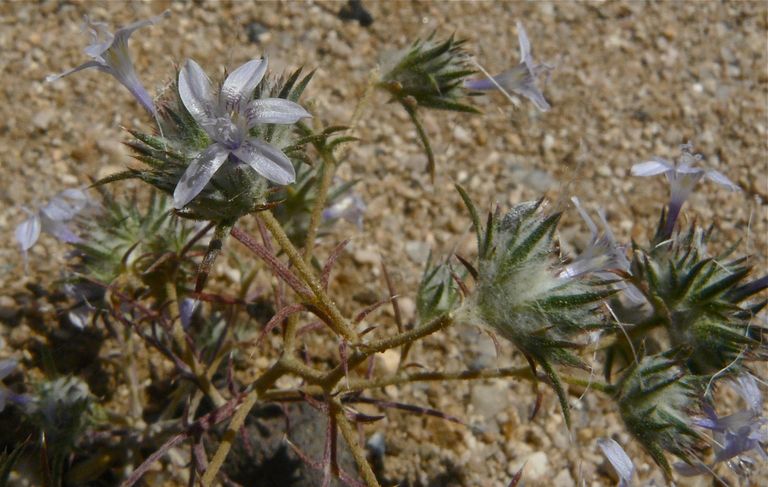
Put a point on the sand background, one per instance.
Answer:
(632, 80)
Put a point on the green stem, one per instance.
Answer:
(187, 354)
(338, 323)
(352, 440)
(366, 350)
(327, 171)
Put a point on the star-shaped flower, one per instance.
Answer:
(521, 79)
(227, 117)
(110, 55)
(683, 175)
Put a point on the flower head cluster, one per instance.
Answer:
(522, 295)
(109, 53)
(53, 218)
(683, 175)
(656, 401)
(520, 79)
(702, 302)
(429, 74)
(227, 118)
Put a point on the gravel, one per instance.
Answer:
(632, 80)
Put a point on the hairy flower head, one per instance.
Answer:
(227, 118)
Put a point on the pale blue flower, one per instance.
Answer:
(520, 79)
(603, 257)
(109, 53)
(683, 175)
(227, 117)
(53, 218)
(737, 435)
(349, 207)
(619, 459)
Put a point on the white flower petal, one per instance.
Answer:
(619, 460)
(652, 168)
(267, 160)
(28, 232)
(197, 175)
(525, 46)
(750, 392)
(722, 180)
(196, 92)
(585, 216)
(58, 229)
(237, 89)
(101, 37)
(275, 110)
(122, 35)
(529, 90)
(65, 205)
(90, 64)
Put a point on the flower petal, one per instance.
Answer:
(750, 392)
(529, 90)
(196, 92)
(58, 229)
(722, 180)
(619, 460)
(652, 167)
(122, 35)
(197, 175)
(237, 89)
(267, 160)
(275, 110)
(65, 205)
(90, 64)
(525, 46)
(28, 232)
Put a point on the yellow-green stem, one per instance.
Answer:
(188, 355)
(327, 171)
(337, 323)
(352, 441)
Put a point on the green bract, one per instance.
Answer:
(521, 295)
(656, 400)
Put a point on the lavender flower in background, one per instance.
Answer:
(736, 435)
(52, 218)
(6, 395)
(110, 55)
(603, 257)
(227, 118)
(619, 459)
(350, 208)
(683, 175)
(521, 79)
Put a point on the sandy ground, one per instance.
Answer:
(632, 80)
